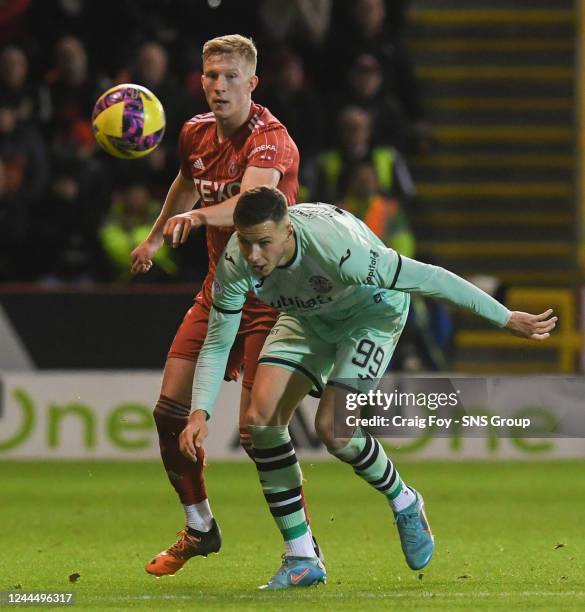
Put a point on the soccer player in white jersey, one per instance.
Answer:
(343, 297)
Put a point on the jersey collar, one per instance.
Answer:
(293, 261)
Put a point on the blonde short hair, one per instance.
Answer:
(232, 44)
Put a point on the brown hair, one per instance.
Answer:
(259, 205)
(232, 44)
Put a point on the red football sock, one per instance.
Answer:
(186, 477)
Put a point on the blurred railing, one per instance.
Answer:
(557, 354)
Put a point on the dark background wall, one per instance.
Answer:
(125, 329)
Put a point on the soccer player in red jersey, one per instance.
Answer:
(237, 146)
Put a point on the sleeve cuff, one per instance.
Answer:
(507, 320)
(224, 310)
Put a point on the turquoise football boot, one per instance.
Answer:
(297, 572)
(415, 534)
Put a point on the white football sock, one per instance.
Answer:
(403, 499)
(199, 515)
(300, 547)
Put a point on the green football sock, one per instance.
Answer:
(369, 461)
(281, 480)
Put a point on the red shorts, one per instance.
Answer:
(255, 326)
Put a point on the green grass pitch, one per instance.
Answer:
(509, 536)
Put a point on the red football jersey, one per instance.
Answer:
(217, 169)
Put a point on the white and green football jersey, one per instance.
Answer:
(340, 269)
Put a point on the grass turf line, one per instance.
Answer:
(498, 528)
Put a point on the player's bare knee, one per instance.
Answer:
(261, 408)
(255, 416)
(177, 382)
(324, 429)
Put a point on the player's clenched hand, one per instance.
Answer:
(193, 434)
(535, 327)
(177, 228)
(141, 257)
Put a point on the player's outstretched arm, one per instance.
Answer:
(177, 228)
(412, 275)
(182, 196)
(211, 365)
(228, 298)
(535, 327)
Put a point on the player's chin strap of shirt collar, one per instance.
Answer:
(294, 256)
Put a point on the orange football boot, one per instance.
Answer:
(170, 561)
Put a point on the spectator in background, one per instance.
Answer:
(49, 21)
(382, 214)
(127, 225)
(428, 334)
(365, 88)
(67, 105)
(302, 23)
(284, 89)
(69, 92)
(77, 151)
(24, 176)
(67, 219)
(66, 236)
(334, 167)
(369, 33)
(15, 92)
(395, 16)
(292, 101)
(151, 69)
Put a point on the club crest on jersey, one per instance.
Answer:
(320, 284)
(233, 169)
(217, 287)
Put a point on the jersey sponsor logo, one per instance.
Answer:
(263, 147)
(374, 255)
(198, 163)
(291, 303)
(216, 191)
(255, 122)
(345, 257)
(217, 287)
(320, 284)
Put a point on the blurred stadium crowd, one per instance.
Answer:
(337, 74)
